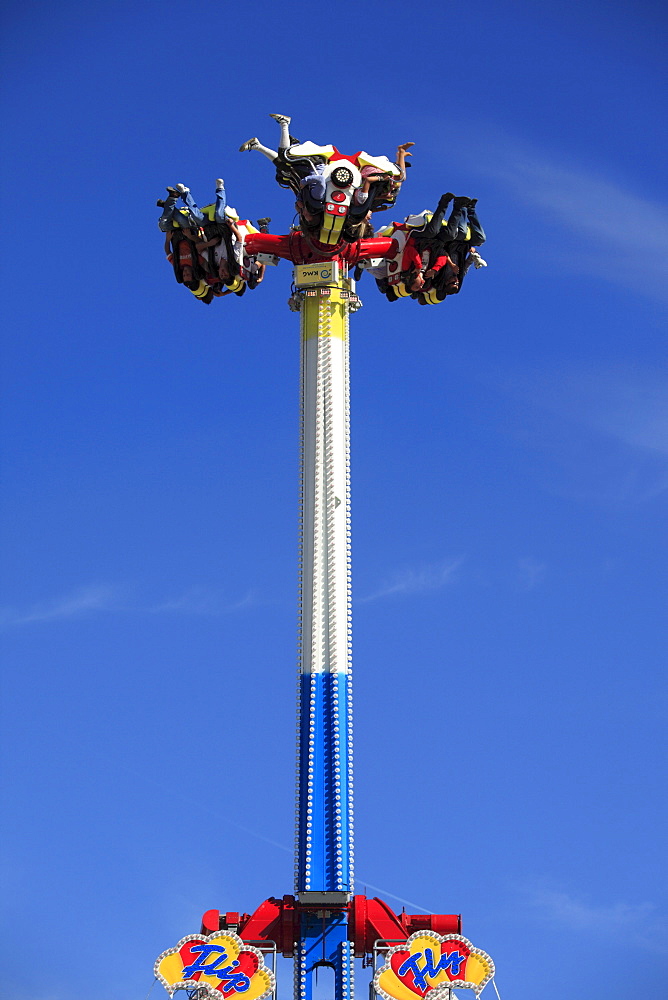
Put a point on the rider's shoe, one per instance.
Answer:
(478, 262)
(220, 183)
(281, 119)
(262, 224)
(250, 144)
(173, 191)
(182, 189)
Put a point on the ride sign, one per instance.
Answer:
(221, 962)
(316, 274)
(430, 963)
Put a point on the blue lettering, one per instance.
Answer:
(453, 961)
(236, 981)
(411, 965)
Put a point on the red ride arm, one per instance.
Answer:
(295, 248)
(268, 243)
(376, 246)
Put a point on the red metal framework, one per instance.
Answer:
(369, 921)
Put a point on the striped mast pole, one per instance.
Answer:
(324, 878)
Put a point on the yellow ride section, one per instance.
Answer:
(325, 315)
(331, 228)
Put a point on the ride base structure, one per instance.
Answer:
(323, 922)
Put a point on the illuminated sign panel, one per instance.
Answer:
(429, 963)
(221, 962)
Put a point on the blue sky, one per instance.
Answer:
(510, 474)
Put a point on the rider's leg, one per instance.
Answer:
(221, 201)
(165, 220)
(196, 213)
(434, 226)
(457, 227)
(477, 232)
(284, 122)
(254, 143)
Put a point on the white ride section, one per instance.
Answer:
(325, 487)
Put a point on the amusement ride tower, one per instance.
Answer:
(323, 923)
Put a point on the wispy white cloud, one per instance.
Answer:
(108, 598)
(605, 427)
(34, 995)
(629, 408)
(596, 919)
(415, 581)
(377, 888)
(74, 605)
(200, 601)
(260, 836)
(620, 236)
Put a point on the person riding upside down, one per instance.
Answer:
(437, 255)
(431, 257)
(335, 191)
(423, 254)
(458, 241)
(204, 245)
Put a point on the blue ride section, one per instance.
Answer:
(325, 852)
(324, 943)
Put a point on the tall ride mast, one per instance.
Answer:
(324, 850)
